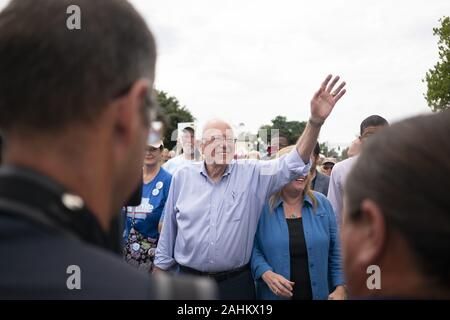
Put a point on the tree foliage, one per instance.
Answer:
(173, 114)
(438, 78)
(290, 129)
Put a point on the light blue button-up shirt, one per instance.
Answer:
(211, 226)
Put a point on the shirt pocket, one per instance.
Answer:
(233, 206)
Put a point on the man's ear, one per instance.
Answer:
(373, 233)
(128, 117)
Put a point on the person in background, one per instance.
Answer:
(355, 148)
(213, 207)
(276, 144)
(327, 166)
(189, 152)
(396, 226)
(296, 252)
(141, 232)
(165, 156)
(319, 181)
(369, 126)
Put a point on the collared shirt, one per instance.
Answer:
(271, 247)
(211, 226)
(336, 188)
(175, 164)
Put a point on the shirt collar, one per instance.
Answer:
(226, 173)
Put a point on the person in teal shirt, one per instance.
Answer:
(296, 252)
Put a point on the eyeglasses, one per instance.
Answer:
(327, 167)
(218, 139)
(149, 108)
(151, 149)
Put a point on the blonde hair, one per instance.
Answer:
(277, 195)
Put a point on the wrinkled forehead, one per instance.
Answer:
(217, 129)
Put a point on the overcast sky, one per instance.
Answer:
(251, 60)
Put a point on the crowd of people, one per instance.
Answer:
(286, 226)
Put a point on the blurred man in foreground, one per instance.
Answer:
(75, 112)
(396, 228)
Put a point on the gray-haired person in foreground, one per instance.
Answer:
(213, 207)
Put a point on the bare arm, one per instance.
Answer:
(322, 104)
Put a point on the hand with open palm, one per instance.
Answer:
(324, 100)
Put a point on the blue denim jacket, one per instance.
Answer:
(271, 247)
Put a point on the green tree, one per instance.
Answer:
(438, 78)
(328, 153)
(290, 129)
(344, 154)
(173, 113)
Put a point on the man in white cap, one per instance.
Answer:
(141, 228)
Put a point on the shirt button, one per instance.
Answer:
(314, 283)
(311, 265)
(210, 261)
(212, 243)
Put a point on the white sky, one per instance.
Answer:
(248, 61)
(251, 60)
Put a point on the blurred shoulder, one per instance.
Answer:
(345, 164)
(165, 174)
(188, 169)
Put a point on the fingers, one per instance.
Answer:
(333, 83)
(286, 284)
(336, 98)
(325, 82)
(281, 290)
(336, 92)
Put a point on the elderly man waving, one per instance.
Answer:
(213, 207)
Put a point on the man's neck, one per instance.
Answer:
(81, 173)
(215, 171)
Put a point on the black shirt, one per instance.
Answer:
(42, 235)
(299, 260)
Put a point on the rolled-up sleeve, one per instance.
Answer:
(164, 256)
(275, 174)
